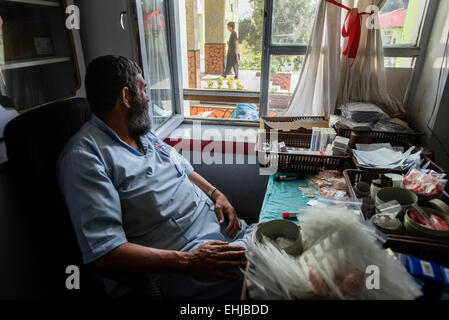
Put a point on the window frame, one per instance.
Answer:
(174, 52)
(268, 49)
(396, 51)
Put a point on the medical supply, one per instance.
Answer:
(360, 135)
(396, 179)
(282, 178)
(338, 249)
(309, 192)
(391, 207)
(423, 269)
(362, 189)
(283, 147)
(362, 112)
(425, 182)
(427, 220)
(289, 215)
(340, 146)
(321, 138)
(330, 183)
(388, 158)
(387, 223)
(378, 184)
(445, 275)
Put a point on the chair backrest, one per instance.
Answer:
(34, 141)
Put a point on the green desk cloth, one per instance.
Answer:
(282, 197)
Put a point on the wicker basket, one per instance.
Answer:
(385, 137)
(288, 162)
(353, 177)
(423, 248)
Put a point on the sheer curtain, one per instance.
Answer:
(328, 76)
(159, 80)
(365, 80)
(317, 89)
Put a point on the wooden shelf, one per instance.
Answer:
(17, 64)
(36, 2)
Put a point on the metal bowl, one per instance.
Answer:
(282, 228)
(418, 230)
(405, 197)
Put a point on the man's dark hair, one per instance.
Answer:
(106, 76)
(232, 25)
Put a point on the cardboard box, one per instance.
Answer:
(423, 269)
(445, 274)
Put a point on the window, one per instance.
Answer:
(284, 76)
(156, 54)
(291, 24)
(207, 55)
(293, 21)
(272, 38)
(401, 23)
(388, 37)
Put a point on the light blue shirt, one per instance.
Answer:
(116, 194)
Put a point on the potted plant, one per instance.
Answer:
(231, 82)
(220, 82)
(210, 84)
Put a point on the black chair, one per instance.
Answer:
(34, 141)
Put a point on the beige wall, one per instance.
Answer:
(423, 99)
(214, 14)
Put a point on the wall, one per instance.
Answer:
(101, 33)
(422, 102)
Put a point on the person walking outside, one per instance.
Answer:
(233, 58)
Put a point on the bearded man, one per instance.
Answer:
(137, 205)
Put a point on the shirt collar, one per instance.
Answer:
(97, 122)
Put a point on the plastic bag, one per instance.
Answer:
(348, 124)
(342, 203)
(425, 182)
(390, 207)
(343, 259)
(362, 112)
(245, 111)
(386, 125)
(330, 183)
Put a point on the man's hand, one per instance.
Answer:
(223, 207)
(212, 258)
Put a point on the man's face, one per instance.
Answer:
(230, 29)
(138, 119)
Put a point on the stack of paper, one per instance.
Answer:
(385, 157)
(339, 146)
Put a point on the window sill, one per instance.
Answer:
(211, 136)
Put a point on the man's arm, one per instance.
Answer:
(222, 205)
(95, 210)
(211, 259)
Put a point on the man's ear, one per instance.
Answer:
(125, 97)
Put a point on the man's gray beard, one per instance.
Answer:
(139, 120)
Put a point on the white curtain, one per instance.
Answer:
(317, 89)
(158, 59)
(329, 77)
(365, 80)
